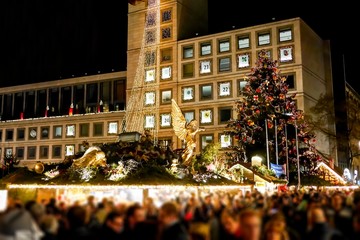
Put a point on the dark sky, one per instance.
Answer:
(45, 40)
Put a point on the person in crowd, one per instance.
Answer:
(112, 227)
(319, 228)
(250, 224)
(151, 209)
(51, 207)
(136, 224)
(17, 223)
(230, 222)
(50, 226)
(274, 231)
(77, 224)
(172, 227)
(340, 215)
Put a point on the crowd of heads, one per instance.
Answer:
(249, 215)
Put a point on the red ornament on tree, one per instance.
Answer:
(256, 98)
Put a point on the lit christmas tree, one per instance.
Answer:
(266, 100)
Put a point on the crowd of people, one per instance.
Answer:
(311, 214)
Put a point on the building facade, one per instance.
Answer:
(50, 120)
(169, 56)
(205, 73)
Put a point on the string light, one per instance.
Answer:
(111, 187)
(136, 109)
(332, 171)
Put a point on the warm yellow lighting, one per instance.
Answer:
(107, 187)
(3, 200)
(332, 171)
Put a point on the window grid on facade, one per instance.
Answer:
(98, 129)
(166, 55)
(205, 49)
(285, 34)
(166, 96)
(44, 152)
(225, 114)
(243, 42)
(224, 64)
(188, 70)
(206, 92)
(188, 52)
(44, 132)
(206, 139)
(188, 93)
(264, 39)
(20, 134)
(224, 45)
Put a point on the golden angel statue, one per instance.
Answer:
(184, 131)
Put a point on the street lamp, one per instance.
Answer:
(297, 150)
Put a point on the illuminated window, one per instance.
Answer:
(243, 42)
(224, 45)
(188, 52)
(225, 140)
(206, 139)
(224, 64)
(166, 96)
(205, 66)
(165, 120)
(263, 39)
(112, 127)
(57, 132)
(149, 121)
(70, 130)
(285, 35)
(206, 116)
(69, 150)
(206, 92)
(149, 98)
(166, 73)
(150, 75)
(205, 49)
(33, 133)
(286, 54)
(224, 89)
(188, 93)
(243, 60)
(241, 83)
(189, 115)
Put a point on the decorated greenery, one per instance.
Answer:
(266, 109)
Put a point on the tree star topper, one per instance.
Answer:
(184, 131)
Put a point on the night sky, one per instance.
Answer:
(49, 40)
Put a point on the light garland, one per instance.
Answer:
(109, 187)
(322, 164)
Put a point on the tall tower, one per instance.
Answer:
(154, 28)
